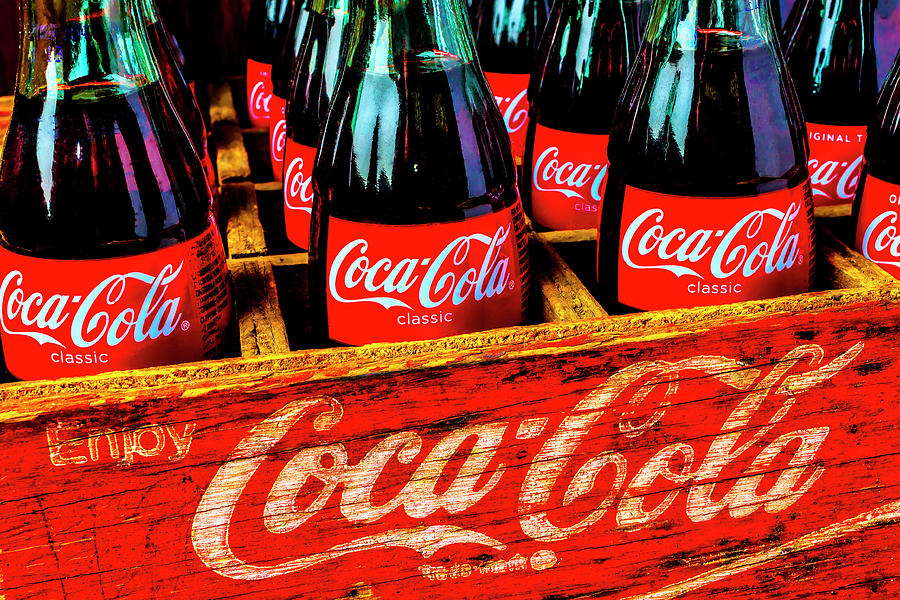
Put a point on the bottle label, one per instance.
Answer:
(511, 93)
(678, 251)
(67, 318)
(877, 235)
(568, 176)
(259, 92)
(298, 191)
(277, 135)
(835, 162)
(392, 283)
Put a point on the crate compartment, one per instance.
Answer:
(155, 483)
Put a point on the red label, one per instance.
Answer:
(73, 318)
(277, 135)
(877, 237)
(679, 251)
(390, 283)
(511, 93)
(568, 175)
(835, 162)
(298, 191)
(259, 93)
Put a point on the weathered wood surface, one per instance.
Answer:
(562, 295)
(841, 267)
(754, 458)
(258, 310)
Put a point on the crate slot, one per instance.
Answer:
(562, 294)
(258, 310)
(840, 266)
(244, 231)
(270, 199)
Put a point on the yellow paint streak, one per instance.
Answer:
(879, 516)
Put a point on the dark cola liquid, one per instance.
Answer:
(830, 52)
(91, 177)
(883, 142)
(409, 150)
(315, 75)
(180, 93)
(288, 49)
(418, 149)
(263, 25)
(732, 130)
(567, 99)
(507, 32)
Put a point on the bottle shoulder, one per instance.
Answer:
(422, 147)
(99, 177)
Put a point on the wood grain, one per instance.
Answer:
(784, 420)
(260, 323)
(562, 295)
(244, 232)
(232, 160)
(221, 103)
(842, 267)
(28, 400)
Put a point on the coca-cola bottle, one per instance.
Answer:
(265, 25)
(775, 11)
(877, 236)
(592, 44)
(110, 256)
(177, 19)
(418, 229)
(707, 200)
(887, 36)
(282, 70)
(507, 33)
(313, 83)
(180, 93)
(829, 48)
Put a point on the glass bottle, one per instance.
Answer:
(575, 90)
(830, 52)
(507, 33)
(875, 209)
(265, 23)
(111, 259)
(707, 200)
(418, 230)
(282, 69)
(180, 93)
(315, 76)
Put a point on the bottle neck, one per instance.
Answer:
(389, 35)
(687, 24)
(83, 48)
(148, 11)
(328, 8)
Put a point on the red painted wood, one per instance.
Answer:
(753, 460)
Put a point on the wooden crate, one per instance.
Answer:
(744, 450)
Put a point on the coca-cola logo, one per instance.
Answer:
(355, 277)
(842, 177)
(260, 97)
(881, 241)
(299, 187)
(761, 240)
(567, 178)
(758, 438)
(98, 316)
(279, 138)
(515, 110)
